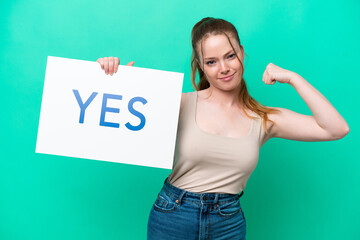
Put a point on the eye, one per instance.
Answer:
(232, 55)
(209, 62)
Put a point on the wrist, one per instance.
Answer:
(294, 79)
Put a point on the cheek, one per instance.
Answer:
(236, 64)
(212, 71)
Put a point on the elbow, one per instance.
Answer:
(347, 130)
(342, 133)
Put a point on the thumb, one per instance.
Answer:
(130, 63)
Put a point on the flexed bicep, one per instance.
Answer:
(295, 126)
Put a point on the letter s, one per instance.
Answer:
(136, 113)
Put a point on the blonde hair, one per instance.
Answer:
(215, 26)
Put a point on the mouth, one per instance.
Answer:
(227, 77)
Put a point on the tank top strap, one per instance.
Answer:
(256, 128)
(187, 110)
(192, 103)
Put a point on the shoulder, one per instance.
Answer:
(184, 96)
(272, 118)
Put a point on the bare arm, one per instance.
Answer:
(325, 124)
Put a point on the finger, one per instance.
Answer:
(106, 65)
(267, 78)
(116, 63)
(101, 62)
(130, 63)
(263, 77)
(111, 65)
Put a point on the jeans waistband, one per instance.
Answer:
(201, 197)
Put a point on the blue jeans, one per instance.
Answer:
(184, 215)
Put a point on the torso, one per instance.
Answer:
(211, 156)
(214, 119)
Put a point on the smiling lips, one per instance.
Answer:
(227, 78)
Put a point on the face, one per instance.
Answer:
(219, 62)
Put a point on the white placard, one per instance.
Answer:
(130, 117)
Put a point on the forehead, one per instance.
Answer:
(216, 45)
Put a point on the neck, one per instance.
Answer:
(227, 99)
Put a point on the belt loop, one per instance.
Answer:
(216, 198)
(181, 196)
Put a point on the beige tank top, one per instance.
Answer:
(205, 162)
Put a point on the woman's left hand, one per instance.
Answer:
(274, 73)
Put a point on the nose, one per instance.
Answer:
(224, 68)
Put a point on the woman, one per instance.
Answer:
(220, 130)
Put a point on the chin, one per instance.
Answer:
(230, 87)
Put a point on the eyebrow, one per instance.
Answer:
(224, 55)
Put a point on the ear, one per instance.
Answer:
(242, 52)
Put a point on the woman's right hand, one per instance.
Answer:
(110, 64)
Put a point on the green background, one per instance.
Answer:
(299, 190)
